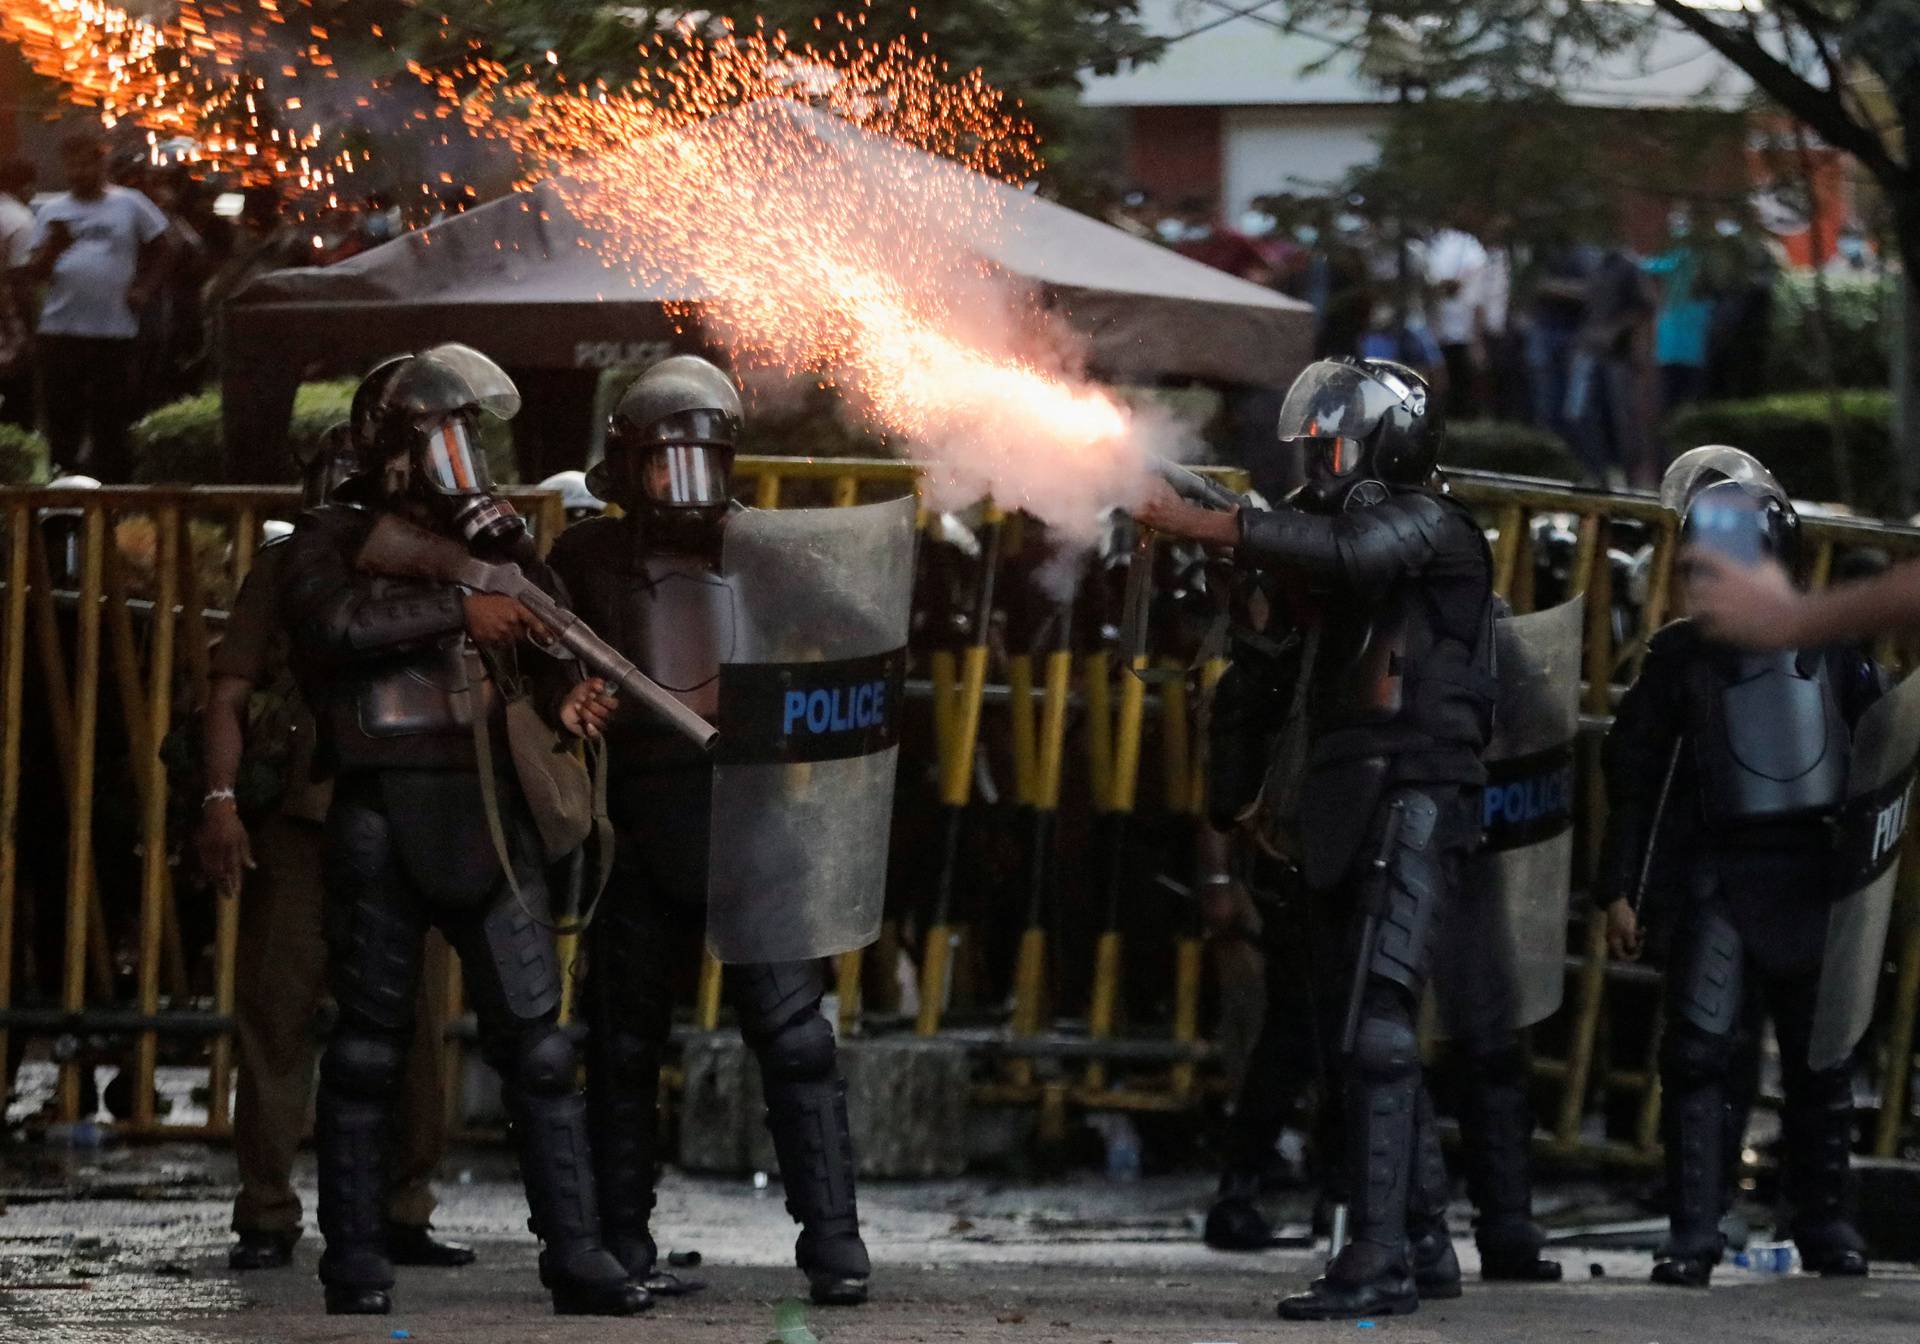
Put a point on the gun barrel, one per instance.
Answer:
(1196, 487)
(603, 660)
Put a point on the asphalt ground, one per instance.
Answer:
(127, 1246)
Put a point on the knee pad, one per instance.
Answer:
(1690, 1055)
(363, 1066)
(801, 1050)
(545, 1061)
(1386, 1047)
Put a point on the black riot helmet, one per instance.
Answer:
(330, 464)
(415, 424)
(670, 446)
(1367, 424)
(1732, 505)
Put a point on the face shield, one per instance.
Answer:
(1333, 400)
(1730, 520)
(448, 459)
(1698, 468)
(681, 475)
(1334, 408)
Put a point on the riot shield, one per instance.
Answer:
(1501, 961)
(1872, 827)
(809, 718)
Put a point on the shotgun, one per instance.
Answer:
(399, 549)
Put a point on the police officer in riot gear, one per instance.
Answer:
(648, 582)
(1725, 771)
(1394, 582)
(396, 672)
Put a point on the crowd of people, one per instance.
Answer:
(110, 288)
(1584, 338)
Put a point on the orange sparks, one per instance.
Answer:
(783, 186)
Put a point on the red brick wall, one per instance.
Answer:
(1173, 154)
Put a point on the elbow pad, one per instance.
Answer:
(1290, 537)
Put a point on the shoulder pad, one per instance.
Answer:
(334, 520)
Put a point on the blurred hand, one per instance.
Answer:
(588, 709)
(1165, 511)
(1754, 606)
(1625, 937)
(222, 844)
(495, 619)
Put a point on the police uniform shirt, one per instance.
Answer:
(255, 647)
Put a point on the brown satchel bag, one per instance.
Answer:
(567, 797)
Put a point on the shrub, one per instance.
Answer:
(182, 442)
(23, 456)
(1861, 306)
(1791, 433)
(1509, 447)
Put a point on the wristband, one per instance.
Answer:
(219, 796)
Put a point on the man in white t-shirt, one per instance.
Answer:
(1455, 267)
(16, 311)
(99, 248)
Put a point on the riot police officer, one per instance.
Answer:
(397, 671)
(1725, 770)
(1396, 579)
(647, 581)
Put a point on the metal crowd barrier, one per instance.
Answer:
(125, 635)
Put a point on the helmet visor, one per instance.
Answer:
(1333, 400)
(451, 378)
(1731, 520)
(1336, 457)
(684, 475)
(1698, 468)
(450, 461)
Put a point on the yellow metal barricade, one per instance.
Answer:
(104, 644)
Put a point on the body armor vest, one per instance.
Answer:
(1772, 742)
(670, 613)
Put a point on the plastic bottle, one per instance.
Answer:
(1767, 1257)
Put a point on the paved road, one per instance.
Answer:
(127, 1248)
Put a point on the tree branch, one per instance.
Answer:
(1821, 109)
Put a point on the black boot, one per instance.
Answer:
(1436, 1268)
(555, 1163)
(1694, 1122)
(1235, 1222)
(623, 1110)
(350, 1148)
(814, 1141)
(1496, 1132)
(1372, 1276)
(262, 1250)
(1819, 1135)
(408, 1244)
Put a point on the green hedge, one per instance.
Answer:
(23, 456)
(1505, 446)
(1861, 327)
(1791, 433)
(181, 441)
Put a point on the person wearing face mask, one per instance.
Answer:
(1390, 580)
(257, 730)
(1737, 785)
(652, 582)
(397, 673)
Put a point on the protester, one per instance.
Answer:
(1680, 328)
(99, 248)
(1605, 389)
(16, 297)
(1456, 278)
(1557, 307)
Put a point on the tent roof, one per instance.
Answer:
(522, 279)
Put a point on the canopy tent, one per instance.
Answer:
(521, 279)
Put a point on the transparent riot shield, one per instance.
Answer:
(809, 717)
(1501, 961)
(1872, 828)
